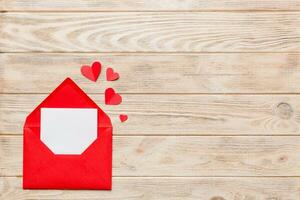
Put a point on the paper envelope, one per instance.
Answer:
(67, 143)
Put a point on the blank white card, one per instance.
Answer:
(68, 130)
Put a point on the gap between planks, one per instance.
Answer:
(185, 94)
(184, 135)
(143, 5)
(181, 177)
(149, 52)
(143, 11)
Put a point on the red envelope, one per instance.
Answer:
(44, 169)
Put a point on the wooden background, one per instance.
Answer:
(211, 88)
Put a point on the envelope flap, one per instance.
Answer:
(67, 95)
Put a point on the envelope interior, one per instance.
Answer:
(68, 130)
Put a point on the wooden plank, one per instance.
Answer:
(179, 114)
(151, 32)
(167, 188)
(155, 73)
(144, 5)
(185, 156)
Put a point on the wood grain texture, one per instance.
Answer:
(211, 89)
(155, 73)
(179, 114)
(151, 32)
(167, 188)
(147, 5)
(185, 156)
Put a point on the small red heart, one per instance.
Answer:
(92, 73)
(111, 75)
(123, 118)
(111, 97)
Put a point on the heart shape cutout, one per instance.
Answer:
(91, 73)
(123, 118)
(111, 75)
(111, 97)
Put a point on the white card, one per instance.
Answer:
(68, 130)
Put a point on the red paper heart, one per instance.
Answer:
(92, 73)
(123, 118)
(111, 97)
(111, 75)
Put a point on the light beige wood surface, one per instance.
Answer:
(186, 156)
(133, 188)
(147, 5)
(179, 114)
(211, 89)
(145, 73)
(150, 32)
